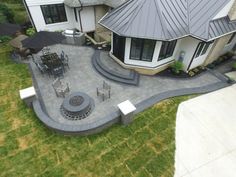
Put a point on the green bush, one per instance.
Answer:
(30, 31)
(234, 66)
(8, 13)
(177, 66)
(5, 39)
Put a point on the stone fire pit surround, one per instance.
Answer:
(77, 106)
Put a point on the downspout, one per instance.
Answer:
(29, 14)
(79, 10)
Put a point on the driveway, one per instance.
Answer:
(206, 135)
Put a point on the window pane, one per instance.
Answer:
(54, 13)
(148, 49)
(167, 49)
(206, 48)
(136, 46)
(170, 49)
(199, 50)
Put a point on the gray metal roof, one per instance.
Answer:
(77, 3)
(168, 19)
(220, 27)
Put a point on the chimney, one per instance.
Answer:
(232, 12)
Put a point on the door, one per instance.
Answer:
(119, 47)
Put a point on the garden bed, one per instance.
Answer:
(193, 73)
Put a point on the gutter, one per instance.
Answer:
(80, 21)
(29, 14)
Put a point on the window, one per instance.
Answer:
(167, 50)
(54, 13)
(142, 49)
(231, 39)
(202, 48)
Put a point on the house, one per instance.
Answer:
(57, 15)
(149, 35)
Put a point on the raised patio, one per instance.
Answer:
(82, 77)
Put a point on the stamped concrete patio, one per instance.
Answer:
(83, 77)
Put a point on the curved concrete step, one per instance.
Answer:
(131, 79)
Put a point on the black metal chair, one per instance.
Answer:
(41, 68)
(65, 62)
(58, 72)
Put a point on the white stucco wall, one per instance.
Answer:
(155, 62)
(189, 46)
(40, 24)
(200, 60)
(87, 17)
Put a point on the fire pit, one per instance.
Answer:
(77, 106)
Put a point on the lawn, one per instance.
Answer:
(28, 148)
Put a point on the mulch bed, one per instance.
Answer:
(193, 73)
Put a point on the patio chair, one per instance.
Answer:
(60, 88)
(42, 68)
(65, 62)
(46, 51)
(58, 72)
(62, 54)
(104, 91)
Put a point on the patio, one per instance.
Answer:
(82, 77)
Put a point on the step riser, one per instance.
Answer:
(114, 77)
(130, 77)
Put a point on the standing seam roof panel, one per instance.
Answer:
(169, 19)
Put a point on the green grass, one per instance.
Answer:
(28, 148)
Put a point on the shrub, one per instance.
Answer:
(5, 39)
(177, 66)
(234, 66)
(8, 13)
(30, 31)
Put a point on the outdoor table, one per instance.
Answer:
(51, 60)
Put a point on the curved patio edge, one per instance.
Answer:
(105, 122)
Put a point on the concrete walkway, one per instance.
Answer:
(206, 135)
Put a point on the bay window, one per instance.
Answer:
(142, 49)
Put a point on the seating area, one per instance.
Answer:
(60, 88)
(51, 64)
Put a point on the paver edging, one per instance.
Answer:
(105, 122)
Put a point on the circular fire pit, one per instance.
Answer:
(77, 106)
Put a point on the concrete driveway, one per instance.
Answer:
(206, 135)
